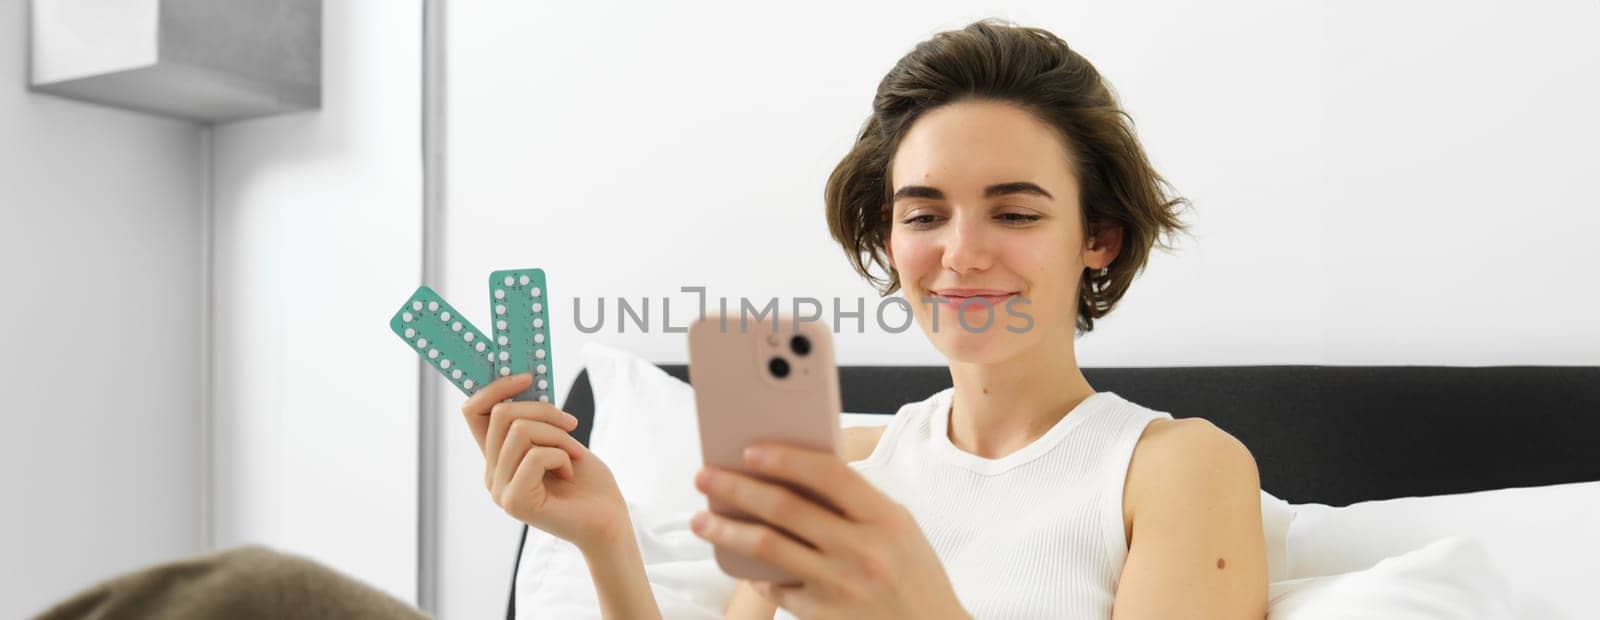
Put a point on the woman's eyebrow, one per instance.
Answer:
(1000, 189)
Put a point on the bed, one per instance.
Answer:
(1385, 438)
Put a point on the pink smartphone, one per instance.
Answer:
(768, 380)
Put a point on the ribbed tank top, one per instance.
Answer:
(1037, 533)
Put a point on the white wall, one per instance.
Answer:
(318, 242)
(100, 246)
(1373, 183)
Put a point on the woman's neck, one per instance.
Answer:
(999, 408)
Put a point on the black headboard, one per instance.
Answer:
(1329, 434)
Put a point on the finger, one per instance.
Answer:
(544, 434)
(500, 470)
(501, 415)
(824, 474)
(761, 542)
(530, 475)
(476, 409)
(523, 437)
(777, 505)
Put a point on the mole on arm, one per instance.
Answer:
(1221, 563)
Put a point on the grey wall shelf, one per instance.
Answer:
(208, 61)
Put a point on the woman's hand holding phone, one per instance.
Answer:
(859, 554)
(538, 473)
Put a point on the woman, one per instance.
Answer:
(996, 169)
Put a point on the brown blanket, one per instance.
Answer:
(241, 583)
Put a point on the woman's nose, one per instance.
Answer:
(967, 245)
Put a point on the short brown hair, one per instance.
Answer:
(991, 60)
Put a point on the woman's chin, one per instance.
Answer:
(976, 348)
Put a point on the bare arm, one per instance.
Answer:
(617, 568)
(1197, 547)
(542, 476)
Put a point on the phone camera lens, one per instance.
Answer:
(778, 367)
(800, 345)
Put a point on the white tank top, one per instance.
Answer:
(1037, 533)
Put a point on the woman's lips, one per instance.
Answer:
(973, 303)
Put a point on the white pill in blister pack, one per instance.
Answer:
(445, 316)
(524, 280)
(535, 292)
(539, 353)
(499, 293)
(539, 338)
(416, 305)
(445, 364)
(433, 306)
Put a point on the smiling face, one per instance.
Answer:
(986, 206)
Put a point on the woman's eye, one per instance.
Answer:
(1007, 218)
(1019, 218)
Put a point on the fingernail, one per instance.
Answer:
(572, 419)
(755, 455)
(698, 522)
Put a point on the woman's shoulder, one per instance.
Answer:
(1191, 454)
(1187, 438)
(1170, 446)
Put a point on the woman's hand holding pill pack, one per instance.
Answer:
(533, 468)
(538, 473)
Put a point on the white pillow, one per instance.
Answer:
(1277, 516)
(646, 431)
(1543, 539)
(1452, 577)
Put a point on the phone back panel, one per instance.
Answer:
(741, 402)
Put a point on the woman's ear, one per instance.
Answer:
(1104, 242)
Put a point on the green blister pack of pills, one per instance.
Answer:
(470, 359)
(522, 328)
